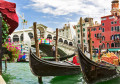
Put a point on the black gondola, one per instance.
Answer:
(60, 58)
(40, 67)
(94, 72)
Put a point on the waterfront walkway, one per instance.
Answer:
(2, 80)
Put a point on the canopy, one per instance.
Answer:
(8, 11)
(117, 49)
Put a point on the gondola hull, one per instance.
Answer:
(41, 67)
(94, 72)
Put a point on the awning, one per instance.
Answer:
(117, 49)
(8, 10)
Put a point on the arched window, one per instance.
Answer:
(70, 43)
(112, 45)
(61, 40)
(49, 36)
(65, 42)
(54, 38)
(30, 35)
(112, 37)
(103, 30)
(108, 45)
(103, 45)
(78, 36)
(21, 37)
(103, 38)
(15, 38)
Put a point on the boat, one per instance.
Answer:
(40, 67)
(60, 58)
(95, 72)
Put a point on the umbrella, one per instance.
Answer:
(8, 11)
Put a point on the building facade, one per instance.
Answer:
(77, 28)
(107, 35)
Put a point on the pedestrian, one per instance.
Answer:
(53, 49)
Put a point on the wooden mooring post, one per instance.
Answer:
(56, 45)
(1, 54)
(81, 28)
(37, 47)
(90, 39)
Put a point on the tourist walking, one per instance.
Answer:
(53, 49)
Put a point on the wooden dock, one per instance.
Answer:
(2, 80)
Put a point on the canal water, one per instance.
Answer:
(19, 73)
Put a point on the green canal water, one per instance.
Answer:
(19, 73)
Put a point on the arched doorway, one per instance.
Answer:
(49, 36)
(15, 38)
(65, 42)
(70, 43)
(30, 35)
(21, 37)
(54, 38)
(108, 46)
(61, 40)
(112, 45)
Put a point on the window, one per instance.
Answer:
(88, 29)
(111, 28)
(83, 34)
(88, 35)
(103, 30)
(78, 36)
(108, 45)
(111, 22)
(102, 24)
(94, 29)
(100, 28)
(103, 38)
(78, 41)
(100, 41)
(84, 41)
(115, 22)
(112, 45)
(92, 41)
(117, 28)
(78, 31)
(95, 35)
(112, 37)
(83, 29)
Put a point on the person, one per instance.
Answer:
(53, 49)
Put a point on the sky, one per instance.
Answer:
(55, 13)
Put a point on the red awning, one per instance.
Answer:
(8, 11)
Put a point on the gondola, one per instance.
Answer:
(40, 67)
(95, 72)
(60, 58)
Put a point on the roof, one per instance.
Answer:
(107, 16)
(116, 49)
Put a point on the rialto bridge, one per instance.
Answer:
(66, 44)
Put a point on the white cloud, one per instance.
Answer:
(50, 29)
(91, 8)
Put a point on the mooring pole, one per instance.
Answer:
(81, 28)
(37, 47)
(6, 64)
(1, 44)
(56, 47)
(90, 44)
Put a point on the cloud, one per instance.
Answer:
(50, 29)
(65, 7)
